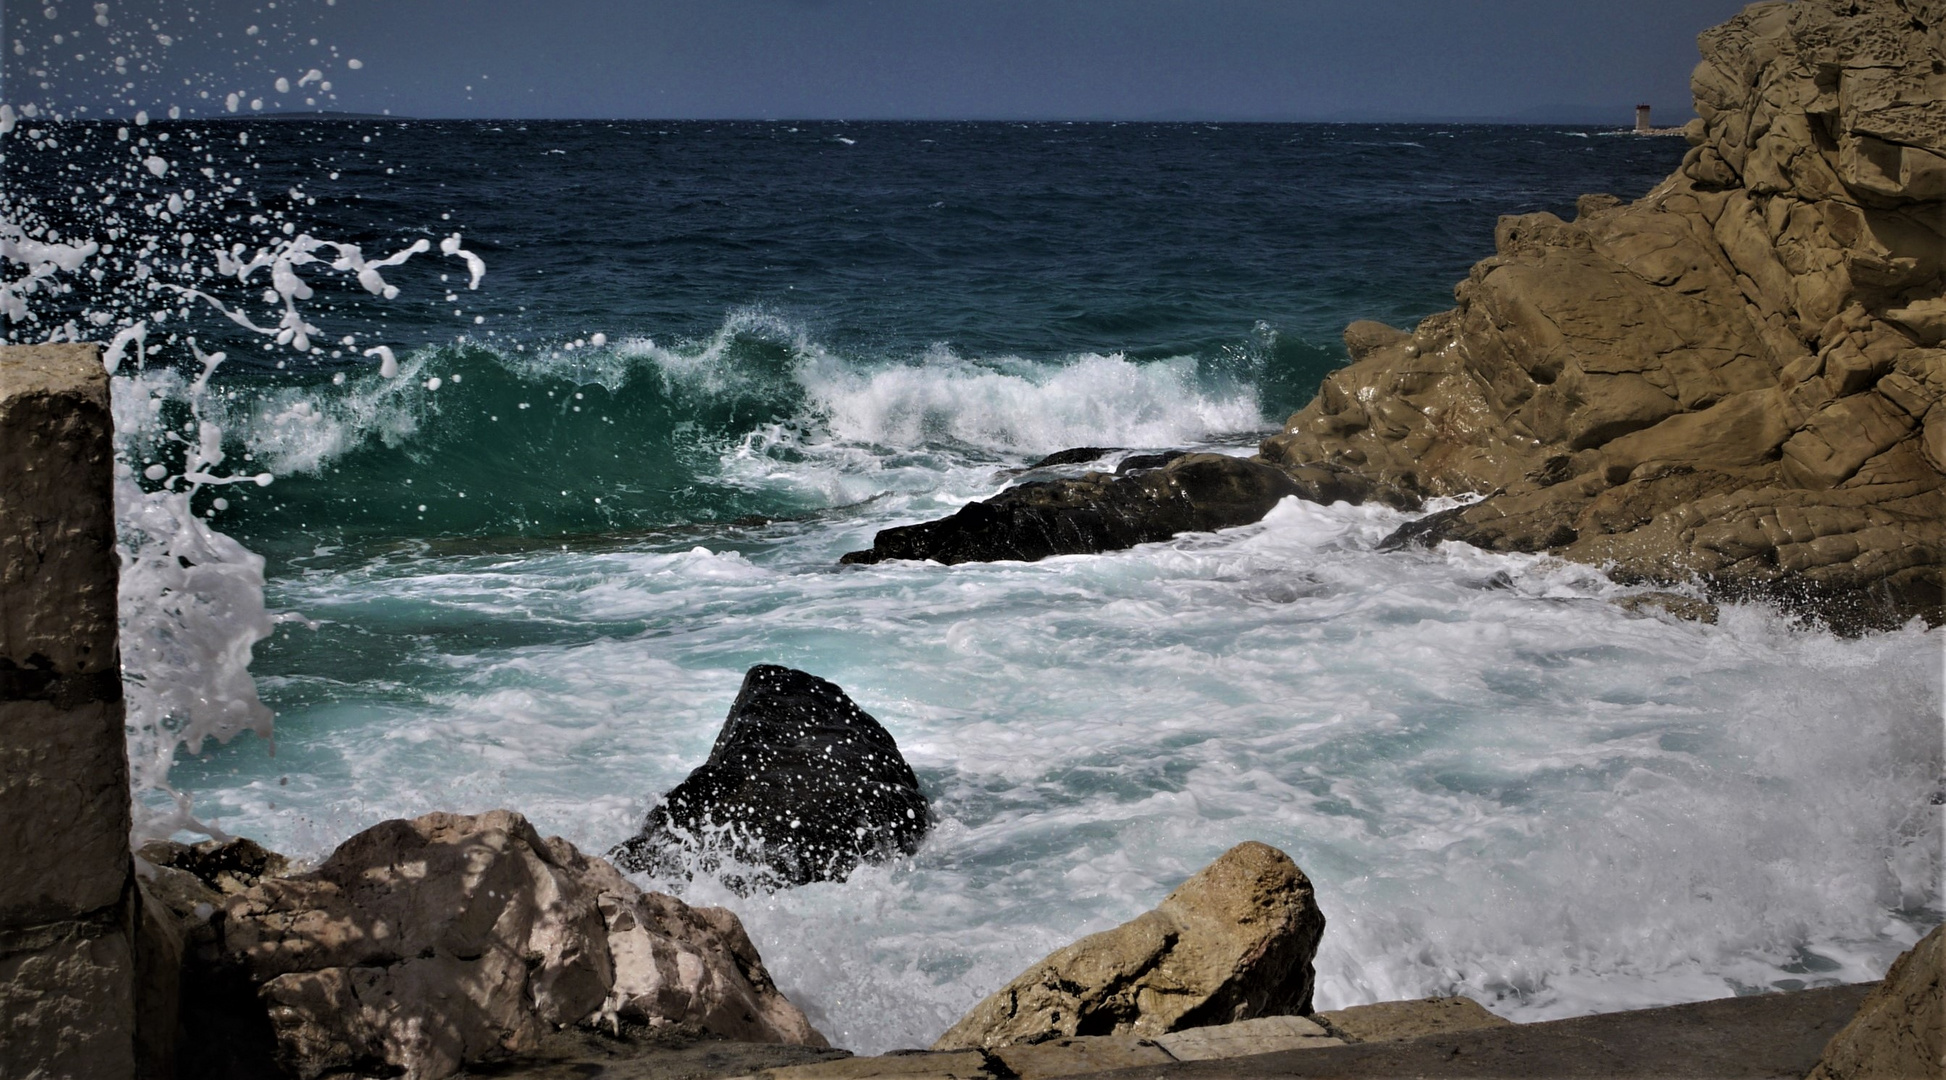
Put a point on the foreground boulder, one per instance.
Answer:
(801, 784)
(1234, 942)
(1738, 379)
(1099, 512)
(421, 946)
(1900, 1028)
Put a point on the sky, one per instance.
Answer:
(1542, 60)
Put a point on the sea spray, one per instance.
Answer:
(123, 249)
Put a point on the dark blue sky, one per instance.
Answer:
(931, 59)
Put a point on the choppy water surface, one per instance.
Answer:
(537, 566)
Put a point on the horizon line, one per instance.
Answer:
(1512, 120)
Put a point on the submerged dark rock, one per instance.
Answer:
(801, 783)
(1133, 462)
(1078, 455)
(1098, 512)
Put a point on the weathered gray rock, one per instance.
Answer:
(1900, 1028)
(1736, 379)
(802, 785)
(1233, 942)
(419, 946)
(71, 923)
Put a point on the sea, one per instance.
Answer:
(512, 524)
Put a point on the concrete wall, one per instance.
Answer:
(68, 900)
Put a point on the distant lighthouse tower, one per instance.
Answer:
(1642, 126)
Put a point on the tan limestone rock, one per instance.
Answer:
(69, 1008)
(419, 946)
(1733, 381)
(1263, 1035)
(1364, 336)
(64, 816)
(1233, 942)
(686, 967)
(1391, 1020)
(1070, 1057)
(1900, 1029)
(74, 945)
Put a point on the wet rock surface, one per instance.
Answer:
(1153, 500)
(1737, 379)
(1076, 455)
(1234, 942)
(421, 946)
(802, 785)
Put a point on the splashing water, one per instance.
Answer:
(164, 233)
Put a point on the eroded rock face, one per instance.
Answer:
(1099, 512)
(420, 946)
(1738, 378)
(1232, 943)
(71, 925)
(1900, 1028)
(801, 783)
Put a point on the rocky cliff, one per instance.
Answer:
(1737, 379)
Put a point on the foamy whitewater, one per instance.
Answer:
(1502, 784)
(512, 540)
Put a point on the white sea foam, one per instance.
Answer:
(1502, 783)
(1024, 408)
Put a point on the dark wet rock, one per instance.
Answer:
(1098, 512)
(1134, 462)
(225, 867)
(801, 783)
(1079, 455)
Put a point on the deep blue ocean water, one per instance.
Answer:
(705, 360)
(1241, 248)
